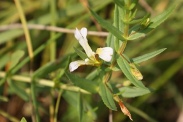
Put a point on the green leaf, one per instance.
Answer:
(18, 90)
(80, 53)
(110, 40)
(118, 23)
(71, 98)
(89, 112)
(92, 75)
(162, 17)
(125, 68)
(52, 66)
(120, 3)
(133, 91)
(117, 33)
(107, 97)
(23, 120)
(147, 56)
(141, 20)
(85, 84)
(4, 99)
(80, 107)
(43, 69)
(138, 32)
(4, 60)
(2, 81)
(15, 58)
(141, 113)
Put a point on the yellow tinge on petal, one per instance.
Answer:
(105, 53)
(93, 58)
(75, 64)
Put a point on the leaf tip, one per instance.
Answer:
(124, 110)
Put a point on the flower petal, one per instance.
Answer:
(75, 64)
(84, 32)
(80, 33)
(81, 37)
(105, 53)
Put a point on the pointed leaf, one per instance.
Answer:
(52, 66)
(141, 113)
(4, 99)
(125, 68)
(18, 90)
(4, 60)
(138, 31)
(120, 3)
(15, 58)
(118, 23)
(117, 33)
(162, 17)
(125, 110)
(23, 120)
(2, 81)
(82, 83)
(147, 56)
(92, 75)
(107, 97)
(110, 40)
(80, 53)
(133, 91)
(71, 98)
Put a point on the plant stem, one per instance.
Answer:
(126, 32)
(52, 53)
(25, 28)
(48, 28)
(57, 105)
(122, 47)
(43, 82)
(51, 106)
(36, 117)
(53, 23)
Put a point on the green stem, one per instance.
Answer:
(122, 47)
(126, 32)
(52, 51)
(57, 105)
(51, 106)
(53, 23)
(43, 82)
(25, 28)
(36, 117)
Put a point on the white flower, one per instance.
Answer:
(103, 53)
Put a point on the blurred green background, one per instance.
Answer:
(163, 73)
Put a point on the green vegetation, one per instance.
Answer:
(142, 81)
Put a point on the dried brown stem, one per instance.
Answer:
(49, 28)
